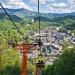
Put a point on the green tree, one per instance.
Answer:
(66, 63)
(48, 70)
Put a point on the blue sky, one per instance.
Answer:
(46, 6)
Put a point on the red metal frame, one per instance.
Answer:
(24, 48)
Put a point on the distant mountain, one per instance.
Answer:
(56, 15)
(24, 12)
(15, 18)
(45, 19)
(18, 14)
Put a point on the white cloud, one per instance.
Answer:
(16, 4)
(6, 6)
(50, 0)
(41, 1)
(36, 1)
(59, 5)
(60, 8)
(71, 2)
(51, 5)
(54, 10)
(54, 7)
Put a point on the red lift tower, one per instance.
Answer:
(24, 48)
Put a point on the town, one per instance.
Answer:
(53, 43)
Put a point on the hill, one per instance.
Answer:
(68, 18)
(44, 19)
(15, 18)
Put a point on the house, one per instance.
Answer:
(58, 36)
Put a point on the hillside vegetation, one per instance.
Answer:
(10, 60)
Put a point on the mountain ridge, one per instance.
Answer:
(24, 12)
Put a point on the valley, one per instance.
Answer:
(57, 33)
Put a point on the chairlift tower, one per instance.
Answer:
(24, 49)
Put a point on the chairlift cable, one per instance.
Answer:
(39, 41)
(39, 16)
(11, 19)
